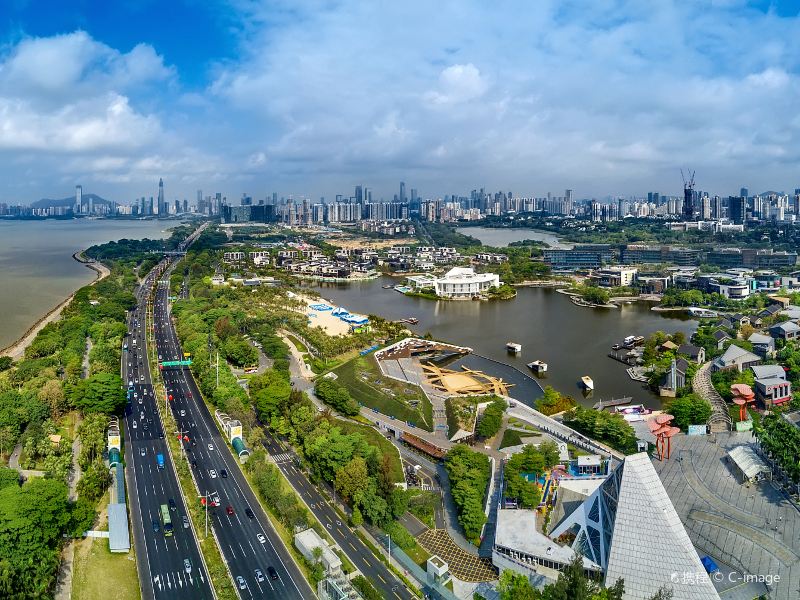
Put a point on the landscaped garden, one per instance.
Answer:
(368, 386)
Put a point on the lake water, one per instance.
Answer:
(573, 340)
(500, 237)
(37, 271)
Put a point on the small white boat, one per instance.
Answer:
(513, 347)
(539, 366)
(587, 382)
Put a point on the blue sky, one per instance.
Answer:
(311, 98)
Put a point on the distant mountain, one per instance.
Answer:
(70, 201)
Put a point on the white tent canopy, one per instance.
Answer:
(748, 462)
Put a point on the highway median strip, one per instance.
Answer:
(217, 568)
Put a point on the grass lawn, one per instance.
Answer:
(421, 504)
(297, 343)
(575, 452)
(419, 555)
(93, 558)
(363, 379)
(513, 437)
(374, 438)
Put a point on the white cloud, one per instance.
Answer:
(525, 96)
(458, 83)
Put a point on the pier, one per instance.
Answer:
(602, 404)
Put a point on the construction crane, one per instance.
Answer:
(688, 185)
(688, 195)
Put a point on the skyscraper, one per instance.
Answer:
(744, 192)
(161, 207)
(79, 198)
(402, 191)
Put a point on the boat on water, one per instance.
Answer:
(632, 413)
(616, 347)
(388, 286)
(587, 382)
(538, 366)
(514, 347)
(632, 341)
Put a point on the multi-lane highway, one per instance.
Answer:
(260, 564)
(358, 553)
(169, 567)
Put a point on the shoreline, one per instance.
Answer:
(17, 348)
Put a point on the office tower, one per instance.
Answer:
(185, 205)
(736, 209)
(199, 197)
(744, 192)
(402, 191)
(796, 203)
(91, 206)
(150, 206)
(79, 198)
(359, 194)
(247, 200)
(217, 204)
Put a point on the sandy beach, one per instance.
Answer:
(323, 318)
(17, 349)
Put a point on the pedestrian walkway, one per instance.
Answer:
(720, 419)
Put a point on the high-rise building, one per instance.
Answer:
(359, 194)
(736, 209)
(78, 198)
(705, 208)
(744, 192)
(161, 207)
(402, 191)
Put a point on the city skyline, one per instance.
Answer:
(528, 99)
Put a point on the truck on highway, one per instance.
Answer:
(160, 460)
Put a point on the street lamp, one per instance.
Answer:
(204, 500)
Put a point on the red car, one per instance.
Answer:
(229, 510)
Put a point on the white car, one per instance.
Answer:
(183, 413)
(261, 538)
(140, 400)
(212, 473)
(142, 452)
(134, 424)
(211, 446)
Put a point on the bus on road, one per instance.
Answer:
(166, 520)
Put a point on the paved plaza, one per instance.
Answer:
(753, 528)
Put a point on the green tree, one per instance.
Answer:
(492, 419)
(352, 479)
(102, 392)
(52, 394)
(516, 586)
(689, 410)
(8, 477)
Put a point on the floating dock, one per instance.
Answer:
(613, 402)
